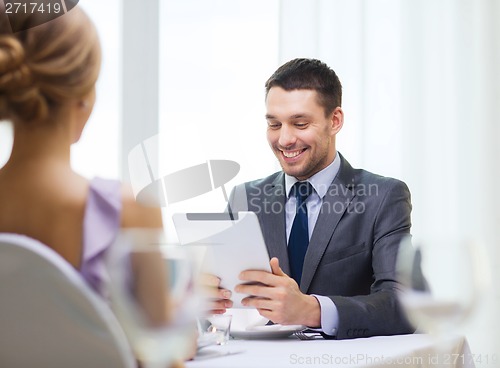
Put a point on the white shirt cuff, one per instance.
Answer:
(329, 315)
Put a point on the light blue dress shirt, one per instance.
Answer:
(320, 181)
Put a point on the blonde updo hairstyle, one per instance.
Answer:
(47, 65)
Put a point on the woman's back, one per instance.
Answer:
(47, 90)
(46, 203)
(77, 218)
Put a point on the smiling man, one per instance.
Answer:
(332, 231)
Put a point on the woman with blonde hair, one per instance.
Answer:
(47, 90)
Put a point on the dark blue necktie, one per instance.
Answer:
(299, 235)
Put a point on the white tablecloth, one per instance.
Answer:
(408, 351)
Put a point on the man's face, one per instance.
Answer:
(299, 133)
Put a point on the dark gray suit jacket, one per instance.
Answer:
(352, 252)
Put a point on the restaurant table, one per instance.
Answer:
(408, 351)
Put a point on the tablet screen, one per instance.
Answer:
(233, 242)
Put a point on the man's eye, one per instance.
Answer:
(274, 125)
(301, 125)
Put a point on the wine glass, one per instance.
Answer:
(153, 294)
(442, 280)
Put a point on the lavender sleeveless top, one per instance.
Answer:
(101, 224)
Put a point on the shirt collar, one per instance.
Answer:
(320, 181)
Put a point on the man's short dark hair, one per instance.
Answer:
(309, 74)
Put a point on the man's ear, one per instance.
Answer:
(337, 120)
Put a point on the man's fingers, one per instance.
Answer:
(259, 303)
(266, 314)
(263, 277)
(255, 290)
(219, 306)
(275, 267)
(217, 293)
(217, 298)
(210, 280)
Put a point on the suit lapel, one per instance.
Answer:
(335, 203)
(274, 221)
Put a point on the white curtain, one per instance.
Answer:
(421, 83)
(451, 94)
(215, 57)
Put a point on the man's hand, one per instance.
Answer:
(218, 298)
(279, 298)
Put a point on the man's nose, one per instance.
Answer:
(287, 137)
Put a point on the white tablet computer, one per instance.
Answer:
(233, 242)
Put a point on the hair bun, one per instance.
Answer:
(11, 54)
(13, 73)
(19, 97)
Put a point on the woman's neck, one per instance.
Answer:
(37, 142)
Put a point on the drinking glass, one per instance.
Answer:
(153, 293)
(214, 329)
(442, 281)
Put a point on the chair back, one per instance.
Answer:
(49, 316)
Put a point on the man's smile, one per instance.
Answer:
(291, 155)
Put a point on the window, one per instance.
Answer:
(97, 152)
(214, 60)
